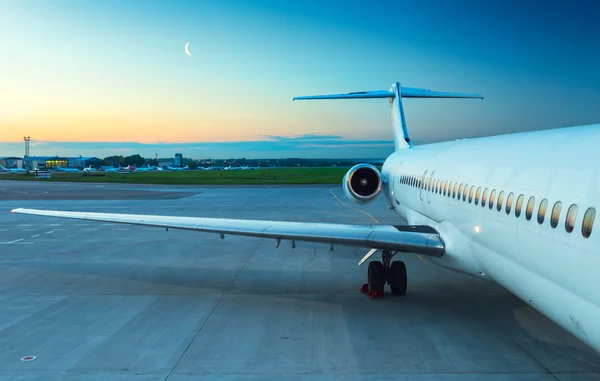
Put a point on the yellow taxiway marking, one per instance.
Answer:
(341, 215)
(351, 207)
(371, 217)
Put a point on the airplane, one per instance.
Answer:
(90, 169)
(177, 168)
(517, 210)
(119, 169)
(62, 169)
(230, 168)
(147, 168)
(12, 170)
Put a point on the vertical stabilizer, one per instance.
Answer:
(401, 138)
(395, 95)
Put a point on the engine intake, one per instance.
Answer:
(362, 183)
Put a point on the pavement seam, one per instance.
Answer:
(534, 359)
(194, 338)
(243, 267)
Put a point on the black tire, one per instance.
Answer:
(397, 278)
(376, 276)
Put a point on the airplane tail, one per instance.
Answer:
(395, 95)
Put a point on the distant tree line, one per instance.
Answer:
(123, 161)
(139, 161)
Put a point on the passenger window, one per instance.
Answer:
(492, 198)
(477, 195)
(509, 202)
(450, 189)
(484, 197)
(446, 188)
(471, 193)
(460, 189)
(571, 217)
(454, 191)
(519, 205)
(529, 210)
(555, 214)
(465, 191)
(542, 211)
(588, 222)
(500, 201)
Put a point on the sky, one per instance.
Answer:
(97, 78)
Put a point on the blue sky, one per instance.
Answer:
(102, 77)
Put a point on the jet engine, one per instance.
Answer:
(362, 183)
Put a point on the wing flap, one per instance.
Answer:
(415, 240)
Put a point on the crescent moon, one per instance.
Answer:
(187, 51)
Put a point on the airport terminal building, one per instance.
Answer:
(49, 162)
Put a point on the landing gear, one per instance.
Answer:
(376, 279)
(386, 271)
(397, 278)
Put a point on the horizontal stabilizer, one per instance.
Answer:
(395, 95)
(407, 92)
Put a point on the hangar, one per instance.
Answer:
(11, 162)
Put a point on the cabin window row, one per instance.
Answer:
(476, 194)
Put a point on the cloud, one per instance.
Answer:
(308, 146)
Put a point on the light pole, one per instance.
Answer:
(25, 161)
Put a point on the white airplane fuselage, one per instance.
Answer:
(553, 270)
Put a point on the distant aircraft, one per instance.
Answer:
(12, 170)
(177, 168)
(90, 169)
(119, 169)
(230, 168)
(517, 210)
(62, 169)
(147, 168)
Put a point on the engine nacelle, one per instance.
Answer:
(362, 183)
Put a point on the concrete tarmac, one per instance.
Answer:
(96, 301)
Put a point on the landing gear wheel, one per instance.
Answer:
(376, 278)
(397, 278)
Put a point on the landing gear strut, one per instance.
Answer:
(386, 271)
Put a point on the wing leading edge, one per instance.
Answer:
(414, 239)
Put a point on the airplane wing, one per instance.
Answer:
(414, 239)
